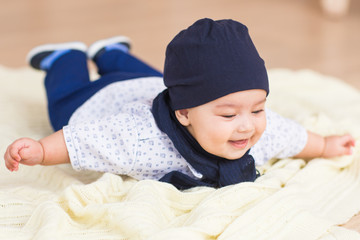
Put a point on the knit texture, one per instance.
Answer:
(292, 200)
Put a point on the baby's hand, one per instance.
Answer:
(24, 150)
(338, 146)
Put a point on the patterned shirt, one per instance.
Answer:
(115, 131)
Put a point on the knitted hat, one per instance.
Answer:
(209, 60)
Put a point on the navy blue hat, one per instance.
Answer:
(209, 60)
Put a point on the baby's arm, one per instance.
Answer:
(327, 147)
(50, 150)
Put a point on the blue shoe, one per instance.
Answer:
(36, 56)
(98, 47)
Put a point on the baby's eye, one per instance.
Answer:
(258, 111)
(228, 116)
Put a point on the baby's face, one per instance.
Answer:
(228, 126)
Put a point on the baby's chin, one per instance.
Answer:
(229, 153)
(233, 156)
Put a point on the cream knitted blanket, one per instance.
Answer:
(293, 200)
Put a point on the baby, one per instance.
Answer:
(208, 126)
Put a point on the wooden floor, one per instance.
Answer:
(293, 34)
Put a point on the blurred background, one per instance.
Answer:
(322, 35)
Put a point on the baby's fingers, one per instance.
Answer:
(12, 159)
(13, 153)
(15, 148)
(348, 140)
(348, 151)
(12, 166)
(348, 144)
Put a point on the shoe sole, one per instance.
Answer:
(53, 47)
(98, 45)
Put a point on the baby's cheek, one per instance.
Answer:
(257, 136)
(260, 126)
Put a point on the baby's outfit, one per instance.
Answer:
(114, 131)
(109, 126)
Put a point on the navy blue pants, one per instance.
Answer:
(68, 84)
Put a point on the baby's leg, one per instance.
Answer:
(67, 75)
(68, 85)
(112, 56)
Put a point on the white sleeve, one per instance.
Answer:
(104, 145)
(282, 138)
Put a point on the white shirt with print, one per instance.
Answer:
(115, 131)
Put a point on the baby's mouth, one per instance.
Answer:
(240, 144)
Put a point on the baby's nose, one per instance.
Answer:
(245, 124)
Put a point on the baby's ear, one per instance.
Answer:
(182, 117)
